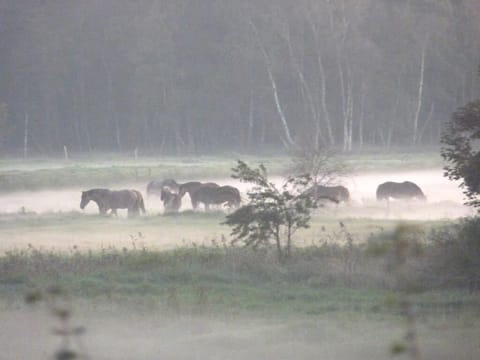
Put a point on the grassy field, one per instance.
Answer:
(35, 174)
(63, 231)
(224, 279)
(174, 287)
(221, 302)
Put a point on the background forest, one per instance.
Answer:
(197, 76)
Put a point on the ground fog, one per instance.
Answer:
(445, 199)
(130, 335)
(53, 220)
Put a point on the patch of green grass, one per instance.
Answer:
(103, 171)
(324, 226)
(378, 161)
(222, 279)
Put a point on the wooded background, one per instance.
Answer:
(199, 76)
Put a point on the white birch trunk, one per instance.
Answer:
(323, 84)
(25, 137)
(427, 122)
(308, 93)
(250, 120)
(339, 45)
(288, 141)
(420, 95)
(350, 116)
(362, 114)
(326, 114)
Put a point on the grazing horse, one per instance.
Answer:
(335, 194)
(155, 187)
(403, 190)
(213, 195)
(171, 201)
(191, 187)
(114, 199)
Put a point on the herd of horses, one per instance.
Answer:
(171, 193)
(208, 194)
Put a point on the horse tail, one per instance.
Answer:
(140, 202)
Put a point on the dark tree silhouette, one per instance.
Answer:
(272, 213)
(461, 149)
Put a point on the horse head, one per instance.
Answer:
(85, 199)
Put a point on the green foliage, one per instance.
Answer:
(457, 254)
(404, 245)
(59, 305)
(315, 280)
(460, 148)
(271, 214)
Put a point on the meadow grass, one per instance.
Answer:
(327, 278)
(64, 230)
(20, 175)
(328, 286)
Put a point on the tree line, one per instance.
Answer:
(193, 76)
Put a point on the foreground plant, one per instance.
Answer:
(460, 149)
(59, 306)
(272, 214)
(402, 247)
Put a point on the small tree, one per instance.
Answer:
(461, 149)
(321, 163)
(272, 214)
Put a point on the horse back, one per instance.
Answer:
(122, 199)
(209, 194)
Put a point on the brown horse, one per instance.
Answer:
(191, 187)
(216, 195)
(114, 199)
(403, 190)
(155, 187)
(335, 194)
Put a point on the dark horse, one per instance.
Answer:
(156, 187)
(114, 199)
(171, 201)
(403, 190)
(191, 187)
(215, 195)
(335, 194)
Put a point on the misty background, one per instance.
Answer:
(185, 77)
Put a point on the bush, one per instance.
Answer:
(455, 255)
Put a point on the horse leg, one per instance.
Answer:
(101, 209)
(133, 211)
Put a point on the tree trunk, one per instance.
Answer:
(362, 115)
(420, 94)
(344, 86)
(427, 122)
(319, 138)
(323, 84)
(25, 136)
(111, 105)
(250, 121)
(288, 141)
